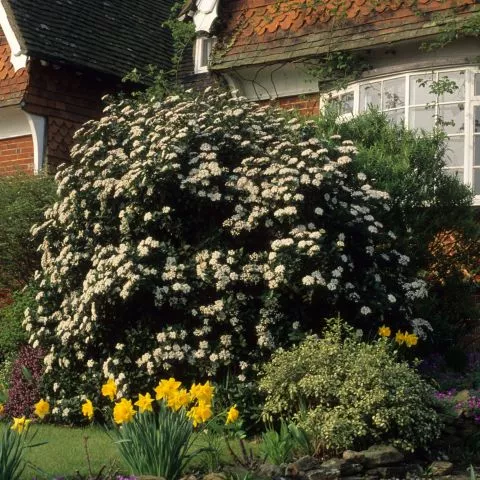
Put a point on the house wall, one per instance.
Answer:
(12, 83)
(67, 98)
(16, 155)
(190, 79)
(307, 105)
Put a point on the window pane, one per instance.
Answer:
(396, 116)
(477, 84)
(476, 114)
(476, 147)
(457, 88)
(420, 89)
(370, 96)
(476, 181)
(205, 51)
(346, 103)
(455, 153)
(422, 118)
(452, 118)
(455, 172)
(394, 93)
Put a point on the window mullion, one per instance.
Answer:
(407, 101)
(469, 130)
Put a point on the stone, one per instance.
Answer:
(440, 468)
(269, 470)
(390, 471)
(291, 470)
(380, 455)
(215, 476)
(189, 477)
(346, 467)
(324, 473)
(355, 457)
(306, 463)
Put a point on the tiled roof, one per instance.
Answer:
(110, 36)
(269, 31)
(12, 83)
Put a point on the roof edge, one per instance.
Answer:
(18, 55)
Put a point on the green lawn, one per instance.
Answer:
(64, 453)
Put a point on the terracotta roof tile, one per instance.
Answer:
(12, 83)
(268, 31)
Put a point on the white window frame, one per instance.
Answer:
(470, 100)
(199, 65)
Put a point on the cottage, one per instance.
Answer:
(416, 60)
(57, 59)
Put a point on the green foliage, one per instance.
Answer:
(23, 199)
(183, 35)
(428, 207)
(349, 394)
(12, 334)
(337, 69)
(454, 28)
(156, 443)
(282, 445)
(13, 446)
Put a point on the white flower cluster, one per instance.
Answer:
(196, 235)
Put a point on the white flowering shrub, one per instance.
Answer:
(196, 235)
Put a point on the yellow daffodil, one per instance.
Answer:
(178, 399)
(123, 411)
(201, 413)
(384, 331)
(411, 340)
(203, 393)
(144, 403)
(109, 389)
(42, 408)
(400, 337)
(166, 388)
(232, 415)
(87, 409)
(2, 409)
(20, 424)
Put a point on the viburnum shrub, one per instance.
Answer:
(196, 235)
(348, 393)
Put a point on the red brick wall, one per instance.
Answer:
(16, 155)
(68, 98)
(307, 105)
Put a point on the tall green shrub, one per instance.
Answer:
(429, 208)
(23, 199)
(12, 334)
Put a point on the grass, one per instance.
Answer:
(64, 453)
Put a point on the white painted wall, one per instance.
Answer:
(14, 122)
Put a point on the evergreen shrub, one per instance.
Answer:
(350, 394)
(23, 199)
